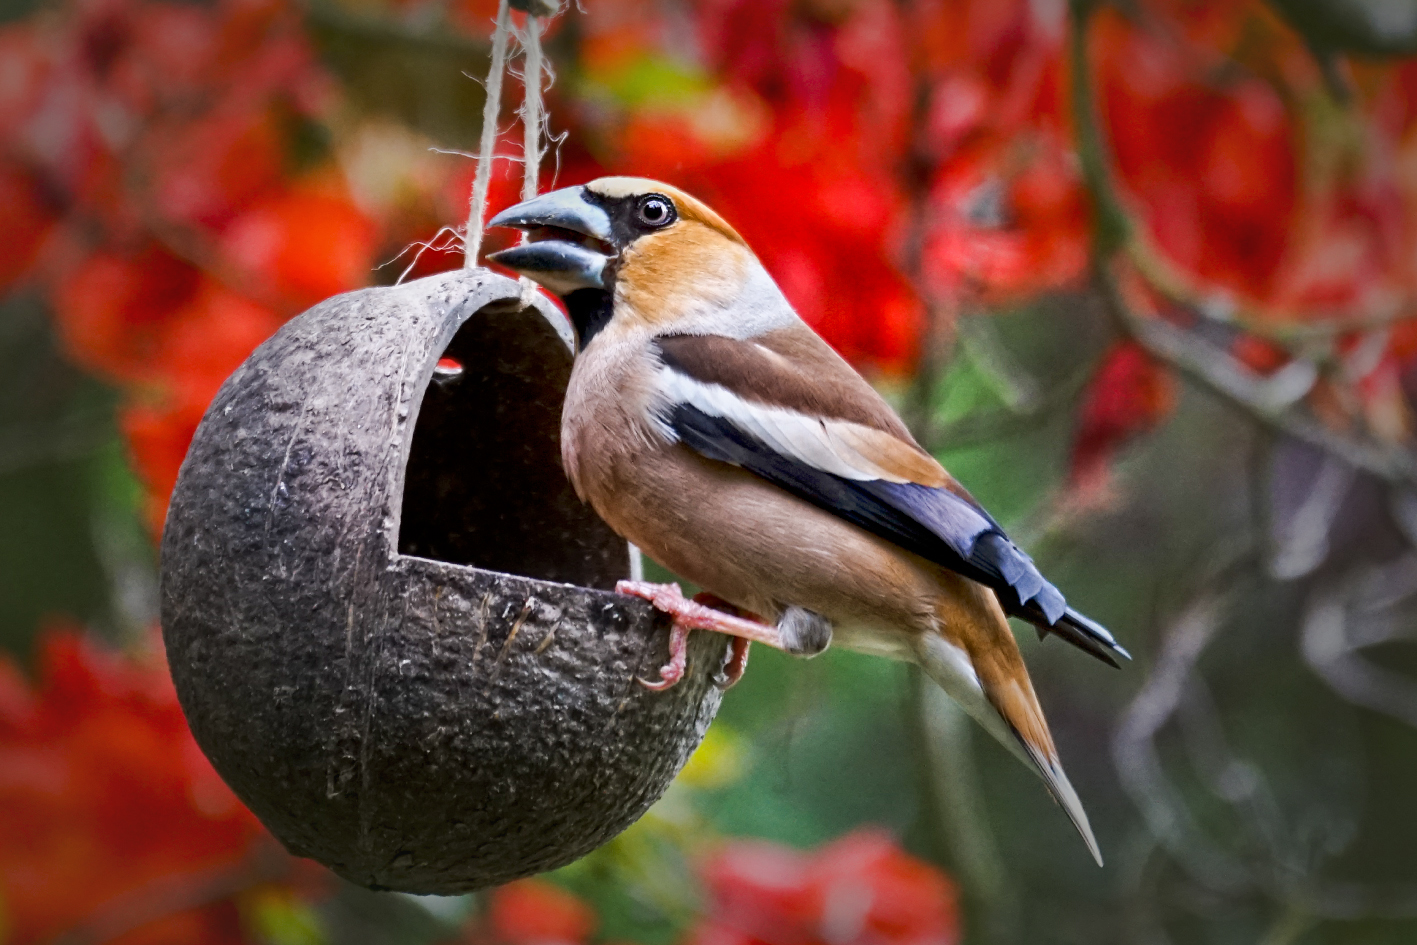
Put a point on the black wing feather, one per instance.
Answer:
(933, 523)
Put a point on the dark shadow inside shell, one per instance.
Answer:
(484, 484)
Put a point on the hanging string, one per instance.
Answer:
(486, 155)
(531, 127)
(532, 118)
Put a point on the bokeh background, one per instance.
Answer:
(1143, 274)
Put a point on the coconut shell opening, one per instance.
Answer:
(484, 485)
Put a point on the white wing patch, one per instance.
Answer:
(812, 441)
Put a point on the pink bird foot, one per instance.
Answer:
(673, 671)
(692, 615)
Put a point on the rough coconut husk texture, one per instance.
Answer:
(387, 615)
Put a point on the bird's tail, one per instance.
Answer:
(976, 661)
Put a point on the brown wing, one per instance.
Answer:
(785, 407)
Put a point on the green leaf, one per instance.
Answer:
(276, 917)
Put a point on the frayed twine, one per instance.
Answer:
(532, 121)
(532, 115)
(477, 208)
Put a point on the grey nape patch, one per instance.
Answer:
(804, 632)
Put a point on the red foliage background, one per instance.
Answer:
(896, 165)
(893, 164)
(861, 888)
(114, 819)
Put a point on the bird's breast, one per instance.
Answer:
(606, 423)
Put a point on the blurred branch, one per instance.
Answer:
(1332, 652)
(1112, 228)
(1300, 540)
(1294, 849)
(1176, 691)
(1274, 400)
(1139, 763)
(1299, 330)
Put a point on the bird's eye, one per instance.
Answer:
(655, 211)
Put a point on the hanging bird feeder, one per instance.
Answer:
(388, 618)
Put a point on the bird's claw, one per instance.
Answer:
(668, 679)
(735, 662)
(705, 612)
(673, 671)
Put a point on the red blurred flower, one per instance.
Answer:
(157, 438)
(211, 336)
(303, 245)
(114, 821)
(172, 334)
(1130, 394)
(29, 218)
(798, 145)
(208, 340)
(1258, 355)
(1213, 165)
(114, 310)
(997, 239)
(860, 890)
(25, 65)
(534, 912)
(824, 223)
(208, 168)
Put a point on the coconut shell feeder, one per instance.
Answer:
(390, 622)
(389, 619)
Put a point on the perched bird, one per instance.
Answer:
(709, 425)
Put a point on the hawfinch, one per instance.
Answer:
(707, 424)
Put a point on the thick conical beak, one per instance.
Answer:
(570, 241)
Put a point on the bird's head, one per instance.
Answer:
(628, 249)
